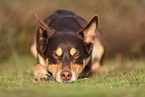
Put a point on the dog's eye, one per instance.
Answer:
(56, 56)
(76, 55)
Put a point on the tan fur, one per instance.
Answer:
(98, 50)
(33, 49)
(89, 33)
(87, 60)
(40, 71)
(77, 68)
(34, 52)
(73, 51)
(54, 68)
(42, 60)
(101, 69)
(59, 52)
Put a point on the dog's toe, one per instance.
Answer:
(41, 73)
(41, 77)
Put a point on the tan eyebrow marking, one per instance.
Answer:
(59, 51)
(73, 51)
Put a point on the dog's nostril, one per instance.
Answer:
(63, 75)
(66, 75)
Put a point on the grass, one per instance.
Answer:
(16, 80)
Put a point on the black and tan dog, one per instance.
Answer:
(65, 46)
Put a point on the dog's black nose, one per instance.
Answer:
(66, 75)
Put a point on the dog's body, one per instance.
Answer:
(66, 45)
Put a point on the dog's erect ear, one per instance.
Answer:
(44, 26)
(43, 34)
(88, 33)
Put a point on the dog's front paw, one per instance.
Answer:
(41, 73)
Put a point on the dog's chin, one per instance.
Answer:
(73, 78)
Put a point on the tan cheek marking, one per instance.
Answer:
(41, 60)
(59, 51)
(73, 51)
(76, 68)
(55, 68)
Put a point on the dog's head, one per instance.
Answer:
(65, 54)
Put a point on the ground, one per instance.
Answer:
(125, 79)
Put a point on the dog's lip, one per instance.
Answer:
(67, 80)
(61, 80)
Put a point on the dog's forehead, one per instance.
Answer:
(66, 42)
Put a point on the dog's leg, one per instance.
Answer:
(33, 49)
(40, 72)
(97, 57)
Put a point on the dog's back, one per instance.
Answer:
(65, 19)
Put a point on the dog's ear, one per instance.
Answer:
(43, 34)
(88, 33)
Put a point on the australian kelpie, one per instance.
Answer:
(66, 46)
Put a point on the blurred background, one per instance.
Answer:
(121, 21)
